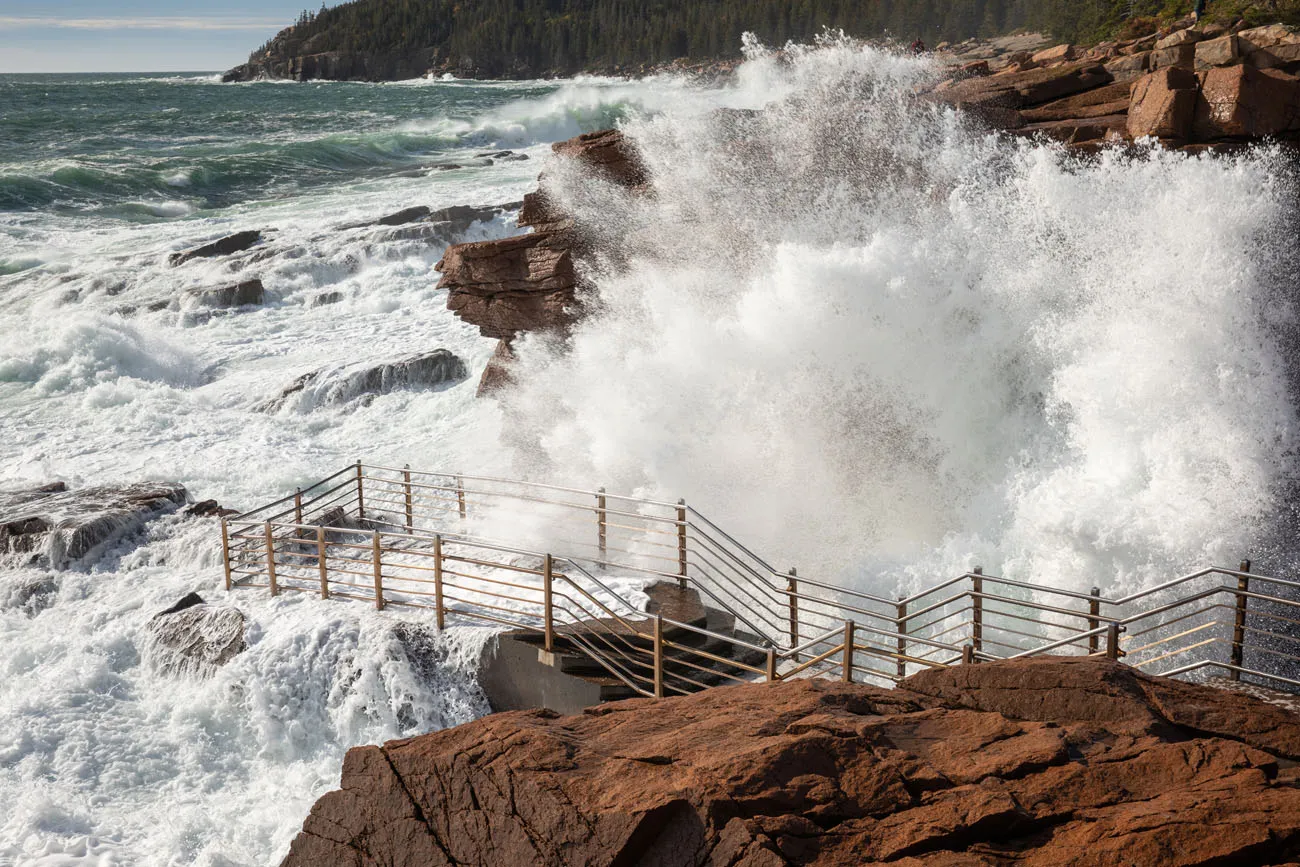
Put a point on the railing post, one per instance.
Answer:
(977, 613)
(548, 603)
(270, 560)
(681, 543)
(1239, 621)
(602, 523)
(968, 654)
(375, 557)
(225, 552)
(771, 665)
(437, 582)
(902, 638)
(320, 562)
(297, 506)
(792, 589)
(410, 503)
(1094, 622)
(848, 650)
(1112, 640)
(361, 494)
(460, 496)
(659, 656)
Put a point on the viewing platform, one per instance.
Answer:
(601, 596)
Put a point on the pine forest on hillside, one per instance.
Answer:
(571, 35)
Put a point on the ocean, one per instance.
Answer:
(870, 340)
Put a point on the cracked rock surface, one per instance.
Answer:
(1046, 761)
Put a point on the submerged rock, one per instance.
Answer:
(209, 509)
(410, 215)
(333, 386)
(248, 293)
(29, 593)
(56, 528)
(1037, 762)
(193, 638)
(236, 243)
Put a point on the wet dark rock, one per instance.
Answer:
(326, 298)
(334, 386)
(236, 243)
(59, 528)
(189, 600)
(194, 638)
(246, 294)
(504, 156)
(401, 218)
(445, 224)
(209, 509)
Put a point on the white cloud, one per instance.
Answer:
(143, 23)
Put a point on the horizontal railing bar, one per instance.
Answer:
(1174, 653)
(455, 476)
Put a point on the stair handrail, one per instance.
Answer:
(739, 574)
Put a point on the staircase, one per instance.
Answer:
(517, 671)
(573, 628)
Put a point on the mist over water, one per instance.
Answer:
(886, 347)
(869, 341)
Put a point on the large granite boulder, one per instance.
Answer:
(193, 638)
(1275, 45)
(1162, 105)
(1244, 102)
(55, 528)
(1032, 762)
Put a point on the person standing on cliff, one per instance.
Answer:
(1198, 10)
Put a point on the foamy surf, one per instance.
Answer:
(871, 341)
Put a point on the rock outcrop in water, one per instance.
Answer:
(236, 243)
(530, 282)
(54, 528)
(193, 638)
(334, 386)
(1032, 762)
(246, 294)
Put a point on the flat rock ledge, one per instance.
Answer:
(1047, 761)
(51, 527)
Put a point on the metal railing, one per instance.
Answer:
(575, 559)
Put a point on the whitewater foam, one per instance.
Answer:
(871, 342)
(889, 347)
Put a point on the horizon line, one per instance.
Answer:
(142, 23)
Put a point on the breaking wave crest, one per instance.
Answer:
(889, 346)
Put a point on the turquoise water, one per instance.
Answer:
(109, 373)
(125, 146)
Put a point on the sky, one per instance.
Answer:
(137, 35)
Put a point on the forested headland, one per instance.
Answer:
(517, 38)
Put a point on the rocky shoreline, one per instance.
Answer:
(1044, 761)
